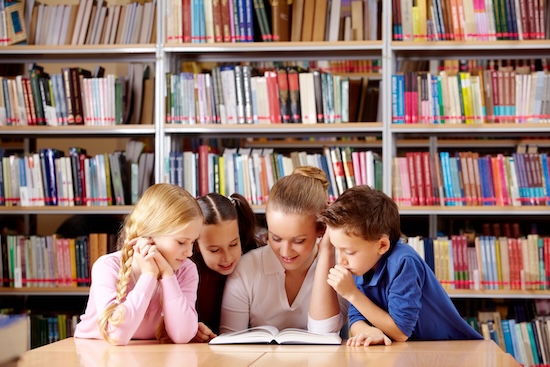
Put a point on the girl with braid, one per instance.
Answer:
(148, 288)
(229, 232)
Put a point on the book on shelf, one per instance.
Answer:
(271, 335)
(15, 336)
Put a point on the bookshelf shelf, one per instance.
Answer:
(488, 129)
(276, 129)
(77, 130)
(45, 291)
(282, 51)
(470, 49)
(21, 210)
(109, 53)
(504, 294)
(474, 210)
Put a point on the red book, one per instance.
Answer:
(284, 94)
(186, 20)
(273, 97)
(203, 170)
(412, 177)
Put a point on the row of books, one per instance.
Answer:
(210, 21)
(489, 262)
(49, 178)
(527, 341)
(506, 95)
(77, 97)
(232, 94)
(252, 172)
(469, 179)
(51, 261)
(12, 22)
(470, 20)
(88, 22)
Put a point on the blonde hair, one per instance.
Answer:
(303, 192)
(162, 210)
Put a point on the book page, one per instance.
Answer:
(259, 334)
(300, 336)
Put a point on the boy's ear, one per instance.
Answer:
(384, 245)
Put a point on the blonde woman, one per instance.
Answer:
(285, 284)
(148, 288)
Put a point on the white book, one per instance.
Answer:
(94, 20)
(262, 99)
(229, 94)
(68, 181)
(106, 34)
(146, 23)
(137, 24)
(100, 26)
(269, 334)
(334, 21)
(307, 98)
(84, 22)
(127, 35)
(151, 22)
(115, 25)
(209, 21)
(78, 23)
(34, 163)
(15, 336)
(66, 17)
(86, 19)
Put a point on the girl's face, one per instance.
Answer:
(220, 246)
(292, 238)
(177, 247)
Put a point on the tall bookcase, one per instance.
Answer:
(167, 56)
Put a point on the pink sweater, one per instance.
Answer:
(146, 300)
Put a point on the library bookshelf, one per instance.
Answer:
(389, 139)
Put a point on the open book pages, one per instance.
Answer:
(270, 334)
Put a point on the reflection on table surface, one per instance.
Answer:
(98, 353)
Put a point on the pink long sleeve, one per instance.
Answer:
(142, 307)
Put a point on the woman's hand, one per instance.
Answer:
(204, 334)
(371, 337)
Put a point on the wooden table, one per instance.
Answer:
(98, 353)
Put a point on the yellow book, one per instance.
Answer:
(221, 170)
(72, 254)
(465, 86)
(499, 263)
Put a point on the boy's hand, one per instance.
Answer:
(204, 334)
(341, 280)
(372, 337)
(144, 254)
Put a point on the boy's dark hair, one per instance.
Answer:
(364, 212)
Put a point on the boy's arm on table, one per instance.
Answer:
(378, 317)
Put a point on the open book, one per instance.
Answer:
(272, 335)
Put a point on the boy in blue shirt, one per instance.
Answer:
(392, 291)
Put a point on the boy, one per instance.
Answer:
(395, 294)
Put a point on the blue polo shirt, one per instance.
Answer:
(404, 286)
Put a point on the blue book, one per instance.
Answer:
(508, 342)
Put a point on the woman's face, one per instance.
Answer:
(220, 246)
(292, 238)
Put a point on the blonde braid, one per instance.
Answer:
(110, 316)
